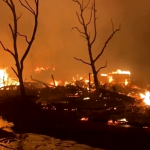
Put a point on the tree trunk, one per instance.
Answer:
(22, 88)
(95, 78)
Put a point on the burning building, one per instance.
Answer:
(119, 77)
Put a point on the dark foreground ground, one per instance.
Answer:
(99, 135)
(67, 126)
(94, 134)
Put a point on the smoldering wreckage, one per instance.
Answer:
(119, 101)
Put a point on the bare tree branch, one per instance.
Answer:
(112, 25)
(79, 18)
(26, 38)
(14, 71)
(19, 16)
(95, 28)
(82, 61)
(11, 29)
(90, 17)
(107, 41)
(78, 3)
(36, 14)
(78, 30)
(86, 5)
(102, 67)
(6, 49)
(83, 36)
(28, 8)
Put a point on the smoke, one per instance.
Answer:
(56, 45)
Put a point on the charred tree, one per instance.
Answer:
(15, 33)
(90, 41)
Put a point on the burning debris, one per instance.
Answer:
(146, 97)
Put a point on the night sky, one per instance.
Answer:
(56, 44)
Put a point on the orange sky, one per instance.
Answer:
(56, 44)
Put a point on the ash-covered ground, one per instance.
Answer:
(31, 141)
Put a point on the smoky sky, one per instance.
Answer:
(56, 44)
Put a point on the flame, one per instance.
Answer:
(104, 75)
(81, 78)
(5, 79)
(56, 83)
(39, 69)
(146, 97)
(86, 81)
(110, 78)
(126, 82)
(121, 72)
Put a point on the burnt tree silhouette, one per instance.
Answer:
(85, 34)
(15, 33)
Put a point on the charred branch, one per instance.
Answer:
(6, 49)
(107, 41)
(95, 28)
(80, 5)
(26, 38)
(82, 61)
(36, 13)
(83, 36)
(28, 7)
(11, 29)
(102, 67)
(14, 71)
(19, 16)
(78, 30)
(90, 17)
(78, 16)
(83, 8)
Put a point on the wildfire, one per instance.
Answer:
(121, 72)
(5, 79)
(146, 97)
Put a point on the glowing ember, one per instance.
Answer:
(122, 120)
(121, 72)
(146, 97)
(84, 119)
(86, 98)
